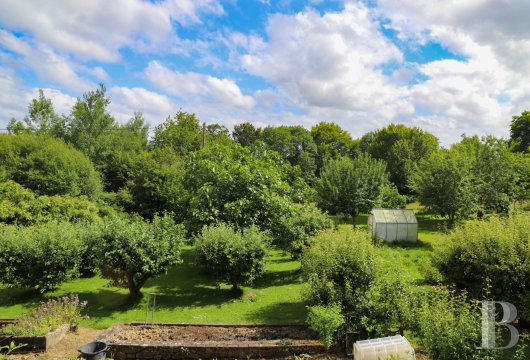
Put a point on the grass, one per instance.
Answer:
(186, 295)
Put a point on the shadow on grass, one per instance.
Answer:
(278, 278)
(279, 313)
(25, 296)
(408, 245)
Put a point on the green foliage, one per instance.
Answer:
(182, 133)
(90, 125)
(295, 144)
(48, 166)
(444, 184)
(125, 153)
(496, 251)
(349, 186)
(21, 206)
(217, 134)
(47, 317)
(332, 142)
(449, 325)
(50, 252)
(237, 185)
(130, 251)
(157, 184)
(402, 148)
(5, 350)
(326, 320)
(390, 307)
(339, 268)
(520, 132)
(246, 134)
(42, 118)
(494, 171)
(391, 198)
(295, 231)
(232, 256)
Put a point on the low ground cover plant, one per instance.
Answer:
(47, 317)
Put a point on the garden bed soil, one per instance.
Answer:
(185, 341)
(34, 343)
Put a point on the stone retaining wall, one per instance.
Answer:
(125, 350)
(34, 343)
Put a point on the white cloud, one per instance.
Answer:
(195, 87)
(125, 101)
(98, 29)
(480, 93)
(326, 61)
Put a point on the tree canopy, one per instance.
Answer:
(401, 148)
(351, 186)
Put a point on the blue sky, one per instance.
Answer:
(449, 67)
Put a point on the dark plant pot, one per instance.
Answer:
(94, 350)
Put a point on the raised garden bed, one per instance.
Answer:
(202, 341)
(34, 343)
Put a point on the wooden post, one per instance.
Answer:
(203, 135)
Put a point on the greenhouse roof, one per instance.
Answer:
(394, 216)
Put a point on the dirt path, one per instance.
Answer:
(65, 349)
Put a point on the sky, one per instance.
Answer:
(449, 67)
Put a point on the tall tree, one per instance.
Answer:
(332, 142)
(402, 148)
(351, 186)
(126, 146)
(90, 124)
(217, 134)
(296, 146)
(42, 118)
(494, 171)
(444, 184)
(246, 134)
(520, 132)
(182, 133)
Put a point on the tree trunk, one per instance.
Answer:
(134, 289)
(353, 218)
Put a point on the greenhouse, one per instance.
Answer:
(393, 225)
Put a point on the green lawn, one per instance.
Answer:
(186, 296)
(189, 296)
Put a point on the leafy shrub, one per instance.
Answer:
(339, 268)
(47, 317)
(295, 231)
(496, 251)
(449, 325)
(390, 308)
(19, 205)
(391, 198)
(325, 320)
(232, 256)
(40, 256)
(48, 166)
(130, 251)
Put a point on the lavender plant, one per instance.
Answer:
(47, 317)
